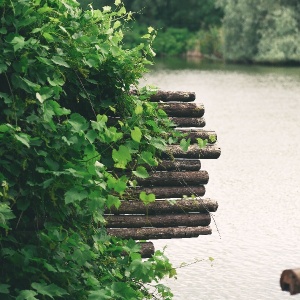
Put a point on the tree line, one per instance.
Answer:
(260, 31)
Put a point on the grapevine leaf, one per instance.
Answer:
(147, 198)
(141, 172)
(136, 134)
(59, 61)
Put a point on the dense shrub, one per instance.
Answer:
(63, 72)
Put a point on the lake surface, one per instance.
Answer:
(255, 111)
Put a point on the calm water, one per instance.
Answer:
(256, 113)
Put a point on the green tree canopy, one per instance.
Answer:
(261, 30)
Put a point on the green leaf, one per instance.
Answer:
(5, 128)
(44, 94)
(201, 143)
(78, 122)
(139, 109)
(51, 290)
(23, 138)
(121, 157)
(4, 288)
(148, 158)
(184, 144)
(27, 295)
(59, 61)
(18, 42)
(158, 143)
(91, 135)
(112, 200)
(147, 198)
(75, 194)
(212, 138)
(141, 172)
(136, 134)
(100, 294)
(5, 215)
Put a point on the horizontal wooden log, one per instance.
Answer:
(174, 178)
(147, 249)
(194, 134)
(167, 96)
(159, 233)
(167, 192)
(188, 122)
(166, 207)
(171, 220)
(177, 165)
(194, 152)
(290, 281)
(190, 110)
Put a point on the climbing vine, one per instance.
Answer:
(70, 126)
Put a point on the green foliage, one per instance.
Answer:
(207, 42)
(64, 75)
(172, 41)
(190, 14)
(261, 31)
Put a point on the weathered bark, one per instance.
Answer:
(171, 220)
(193, 134)
(290, 281)
(159, 233)
(167, 192)
(174, 178)
(147, 249)
(188, 122)
(177, 165)
(193, 152)
(190, 110)
(165, 207)
(167, 96)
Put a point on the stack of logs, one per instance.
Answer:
(177, 182)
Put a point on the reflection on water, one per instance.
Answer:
(255, 111)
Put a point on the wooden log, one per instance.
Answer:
(169, 165)
(171, 220)
(167, 96)
(159, 233)
(290, 281)
(188, 122)
(165, 207)
(167, 192)
(193, 152)
(193, 134)
(177, 165)
(147, 249)
(190, 110)
(174, 178)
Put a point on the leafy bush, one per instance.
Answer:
(172, 41)
(63, 73)
(207, 42)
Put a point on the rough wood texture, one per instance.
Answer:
(178, 165)
(159, 233)
(166, 207)
(290, 281)
(147, 249)
(167, 192)
(171, 220)
(167, 96)
(193, 134)
(174, 178)
(191, 110)
(194, 152)
(188, 122)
